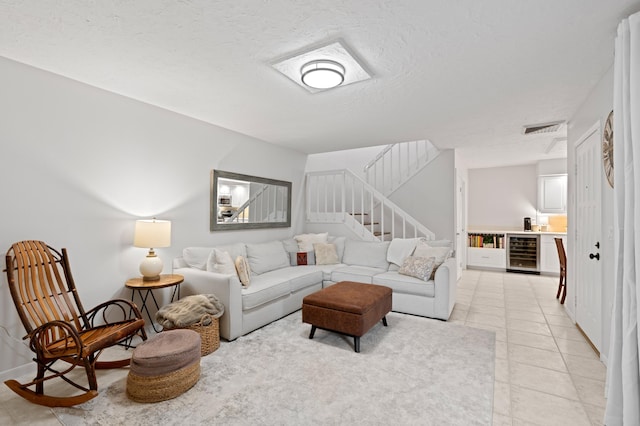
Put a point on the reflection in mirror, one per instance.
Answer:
(248, 202)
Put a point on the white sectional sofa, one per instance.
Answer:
(276, 288)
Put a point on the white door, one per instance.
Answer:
(461, 235)
(588, 269)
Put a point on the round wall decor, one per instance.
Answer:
(607, 148)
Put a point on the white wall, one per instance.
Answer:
(501, 197)
(595, 109)
(430, 196)
(79, 165)
(552, 167)
(352, 159)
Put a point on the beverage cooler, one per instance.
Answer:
(523, 253)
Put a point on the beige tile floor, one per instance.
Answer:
(546, 372)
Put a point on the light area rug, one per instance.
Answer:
(416, 371)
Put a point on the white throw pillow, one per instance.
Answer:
(326, 254)
(339, 242)
(267, 257)
(418, 267)
(306, 241)
(221, 262)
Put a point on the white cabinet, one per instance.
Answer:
(552, 193)
(486, 257)
(549, 261)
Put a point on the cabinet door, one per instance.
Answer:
(549, 261)
(552, 194)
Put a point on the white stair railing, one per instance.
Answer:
(397, 163)
(340, 196)
(267, 204)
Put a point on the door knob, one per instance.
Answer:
(594, 256)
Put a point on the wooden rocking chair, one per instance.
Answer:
(57, 325)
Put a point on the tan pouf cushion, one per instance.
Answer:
(164, 366)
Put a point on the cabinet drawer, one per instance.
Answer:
(490, 257)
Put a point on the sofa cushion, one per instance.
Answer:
(264, 289)
(196, 257)
(234, 250)
(405, 284)
(306, 241)
(266, 257)
(326, 254)
(400, 249)
(438, 243)
(366, 253)
(418, 267)
(305, 280)
(361, 274)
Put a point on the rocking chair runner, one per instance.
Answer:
(57, 325)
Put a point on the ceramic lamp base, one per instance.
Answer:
(151, 267)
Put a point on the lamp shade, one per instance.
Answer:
(152, 233)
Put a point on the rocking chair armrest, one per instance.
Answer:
(39, 339)
(119, 304)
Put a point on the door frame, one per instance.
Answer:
(460, 232)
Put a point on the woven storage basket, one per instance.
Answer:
(209, 334)
(162, 388)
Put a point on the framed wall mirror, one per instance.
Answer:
(248, 202)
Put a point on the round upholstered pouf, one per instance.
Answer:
(164, 366)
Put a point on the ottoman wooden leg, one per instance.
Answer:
(313, 331)
(384, 320)
(356, 341)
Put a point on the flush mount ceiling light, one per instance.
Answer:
(322, 74)
(322, 68)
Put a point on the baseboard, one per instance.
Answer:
(16, 372)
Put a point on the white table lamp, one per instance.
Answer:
(152, 234)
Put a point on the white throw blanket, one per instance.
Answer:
(400, 249)
(190, 310)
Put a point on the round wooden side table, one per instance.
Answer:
(145, 288)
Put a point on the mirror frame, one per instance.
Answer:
(213, 205)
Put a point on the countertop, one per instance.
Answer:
(502, 231)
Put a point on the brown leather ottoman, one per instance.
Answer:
(347, 307)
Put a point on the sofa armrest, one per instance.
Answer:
(445, 288)
(227, 288)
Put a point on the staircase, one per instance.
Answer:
(267, 204)
(397, 163)
(340, 196)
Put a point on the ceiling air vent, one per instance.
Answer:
(536, 129)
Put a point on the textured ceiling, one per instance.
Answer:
(465, 74)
